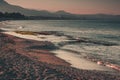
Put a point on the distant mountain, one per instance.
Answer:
(5, 7)
(43, 14)
(62, 12)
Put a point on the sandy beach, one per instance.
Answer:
(44, 48)
(75, 60)
(40, 55)
(78, 62)
(17, 59)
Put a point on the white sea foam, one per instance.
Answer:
(78, 62)
(50, 38)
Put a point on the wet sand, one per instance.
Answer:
(78, 62)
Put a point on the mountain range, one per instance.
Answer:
(6, 7)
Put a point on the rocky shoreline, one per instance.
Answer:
(48, 45)
(18, 62)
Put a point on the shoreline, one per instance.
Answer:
(18, 63)
(61, 54)
(80, 63)
(24, 45)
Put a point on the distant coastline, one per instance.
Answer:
(19, 16)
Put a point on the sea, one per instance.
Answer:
(100, 38)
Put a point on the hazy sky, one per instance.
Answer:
(74, 6)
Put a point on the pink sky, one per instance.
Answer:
(73, 6)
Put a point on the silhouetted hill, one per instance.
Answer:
(5, 7)
(43, 14)
(4, 16)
